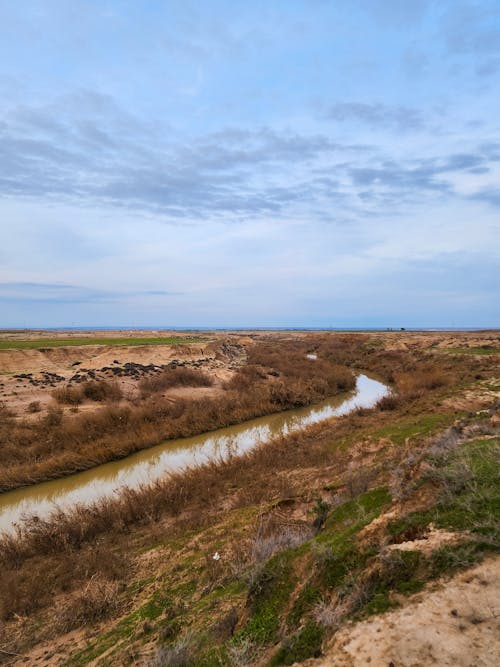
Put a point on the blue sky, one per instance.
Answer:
(319, 163)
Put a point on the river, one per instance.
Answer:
(151, 464)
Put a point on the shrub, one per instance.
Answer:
(100, 390)
(303, 645)
(68, 395)
(95, 390)
(174, 377)
(389, 402)
(53, 417)
(96, 601)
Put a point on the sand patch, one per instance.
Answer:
(452, 624)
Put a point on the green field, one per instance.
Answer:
(42, 343)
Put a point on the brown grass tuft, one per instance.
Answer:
(174, 377)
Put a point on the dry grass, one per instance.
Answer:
(95, 390)
(174, 377)
(58, 444)
(97, 600)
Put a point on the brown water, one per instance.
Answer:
(151, 464)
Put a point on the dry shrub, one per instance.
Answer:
(388, 402)
(180, 654)
(5, 412)
(174, 377)
(97, 600)
(95, 390)
(422, 380)
(272, 536)
(100, 391)
(54, 417)
(21, 593)
(33, 407)
(291, 378)
(331, 613)
(69, 395)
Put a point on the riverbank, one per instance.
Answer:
(157, 463)
(262, 559)
(93, 419)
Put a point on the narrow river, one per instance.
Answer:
(151, 464)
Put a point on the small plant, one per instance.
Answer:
(305, 644)
(320, 510)
(96, 601)
(53, 417)
(389, 402)
(180, 654)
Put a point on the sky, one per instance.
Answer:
(325, 163)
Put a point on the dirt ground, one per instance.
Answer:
(449, 624)
(30, 375)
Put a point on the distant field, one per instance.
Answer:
(484, 349)
(40, 343)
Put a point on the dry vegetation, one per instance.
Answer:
(302, 525)
(174, 377)
(59, 443)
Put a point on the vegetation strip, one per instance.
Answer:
(45, 343)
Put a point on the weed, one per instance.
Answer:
(305, 644)
(269, 591)
(447, 560)
(180, 654)
(97, 600)
(389, 402)
(174, 377)
(320, 510)
(307, 598)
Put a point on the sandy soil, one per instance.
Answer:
(28, 376)
(455, 624)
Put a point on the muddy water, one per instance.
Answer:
(151, 464)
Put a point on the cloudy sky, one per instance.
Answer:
(229, 163)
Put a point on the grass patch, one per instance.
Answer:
(364, 509)
(269, 592)
(422, 425)
(469, 501)
(338, 555)
(471, 489)
(305, 644)
(307, 597)
(481, 350)
(42, 343)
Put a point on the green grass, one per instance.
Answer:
(307, 597)
(269, 593)
(305, 644)
(43, 343)
(416, 426)
(359, 511)
(469, 500)
(482, 349)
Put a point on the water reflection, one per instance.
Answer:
(151, 464)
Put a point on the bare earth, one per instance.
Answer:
(28, 375)
(447, 625)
